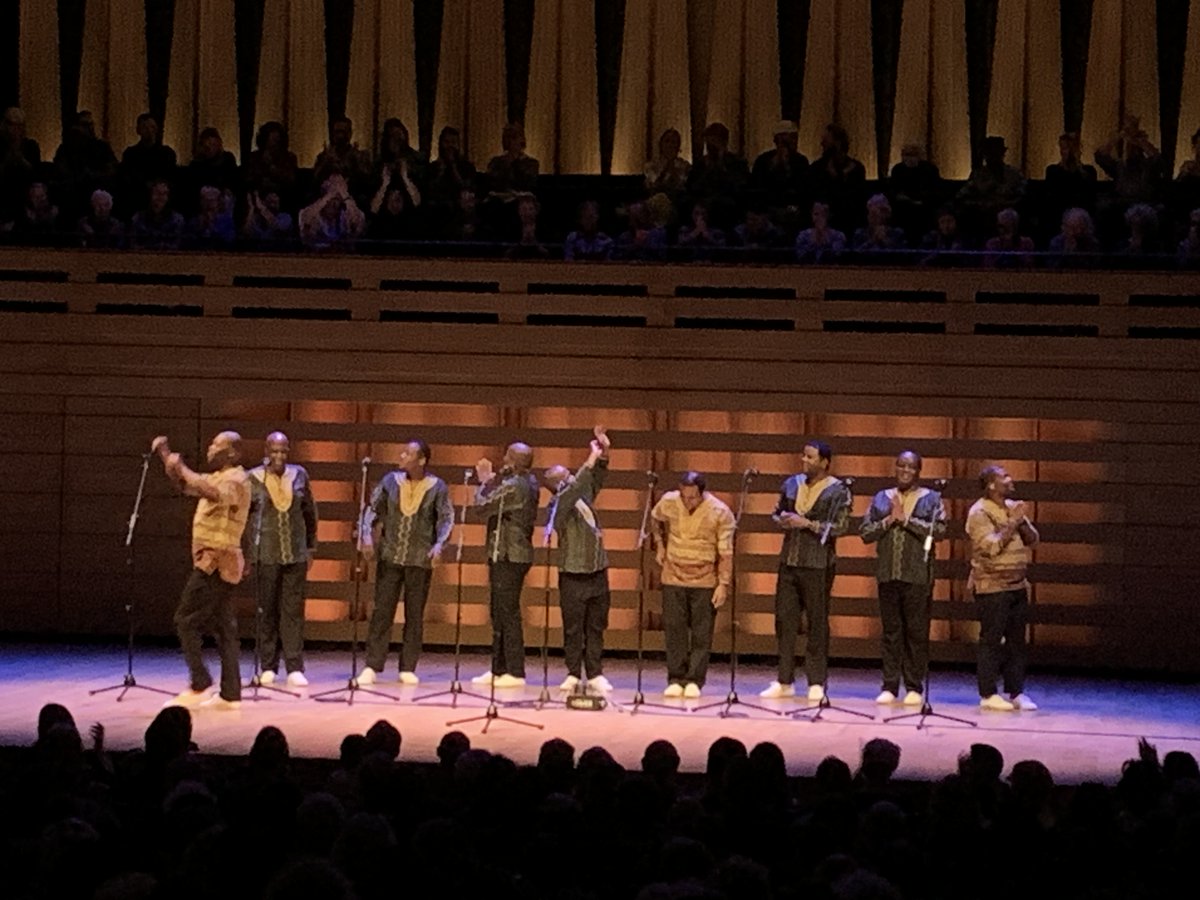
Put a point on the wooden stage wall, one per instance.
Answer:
(1083, 384)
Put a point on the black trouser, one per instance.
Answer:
(1002, 620)
(281, 596)
(585, 600)
(390, 579)
(796, 591)
(688, 617)
(207, 606)
(505, 580)
(904, 612)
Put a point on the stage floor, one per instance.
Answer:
(1084, 730)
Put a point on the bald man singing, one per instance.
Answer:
(283, 539)
(217, 565)
(509, 500)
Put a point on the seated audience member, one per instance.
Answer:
(719, 177)
(333, 221)
(467, 224)
(820, 243)
(528, 246)
(945, 238)
(992, 186)
(702, 239)
(511, 175)
(38, 219)
(1070, 183)
(212, 226)
(211, 166)
(587, 241)
(668, 172)
(1142, 238)
(1185, 192)
(20, 159)
(643, 240)
(392, 216)
(157, 227)
(838, 179)
(266, 223)
(449, 175)
(780, 175)
(146, 161)
(343, 158)
(878, 234)
(400, 162)
(397, 177)
(1137, 170)
(1077, 238)
(1008, 248)
(1189, 247)
(758, 232)
(271, 167)
(83, 163)
(100, 229)
(1190, 168)
(915, 189)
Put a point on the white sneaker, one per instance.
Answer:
(600, 683)
(509, 681)
(189, 699)
(885, 698)
(408, 678)
(673, 690)
(570, 683)
(692, 691)
(1023, 702)
(366, 676)
(914, 698)
(217, 702)
(267, 677)
(777, 691)
(816, 693)
(485, 678)
(297, 679)
(996, 702)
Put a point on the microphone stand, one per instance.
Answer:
(255, 683)
(817, 712)
(129, 682)
(926, 711)
(731, 699)
(456, 688)
(639, 698)
(544, 697)
(492, 713)
(352, 686)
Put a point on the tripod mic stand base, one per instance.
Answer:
(818, 711)
(350, 690)
(453, 692)
(928, 713)
(128, 683)
(731, 700)
(493, 715)
(255, 684)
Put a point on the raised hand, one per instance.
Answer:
(484, 471)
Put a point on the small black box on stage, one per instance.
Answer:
(591, 702)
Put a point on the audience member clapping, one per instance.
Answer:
(878, 234)
(271, 167)
(1077, 238)
(212, 226)
(702, 238)
(266, 223)
(819, 243)
(1008, 248)
(157, 227)
(668, 172)
(333, 221)
(643, 240)
(449, 175)
(587, 241)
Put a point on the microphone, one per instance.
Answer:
(848, 482)
(750, 473)
(366, 461)
(467, 475)
(651, 476)
(939, 484)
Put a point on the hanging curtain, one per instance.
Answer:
(383, 72)
(743, 74)
(1189, 107)
(291, 76)
(950, 129)
(655, 87)
(112, 82)
(562, 116)
(40, 99)
(471, 81)
(203, 82)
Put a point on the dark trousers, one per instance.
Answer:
(390, 580)
(688, 617)
(281, 596)
(1002, 620)
(207, 607)
(904, 612)
(505, 580)
(798, 591)
(585, 601)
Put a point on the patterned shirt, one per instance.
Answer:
(580, 538)
(509, 530)
(900, 555)
(997, 566)
(283, 515)
(415, 516)
(827, 502)
(699, 543)
(218, 525)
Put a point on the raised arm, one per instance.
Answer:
(190, 482)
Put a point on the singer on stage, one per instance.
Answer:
(217, 565)
(509, 500)
(693, 543)
(582, 564)
(813, 510)
(1001, 540)
(283, 520)
(407, 523)
(903, 522)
